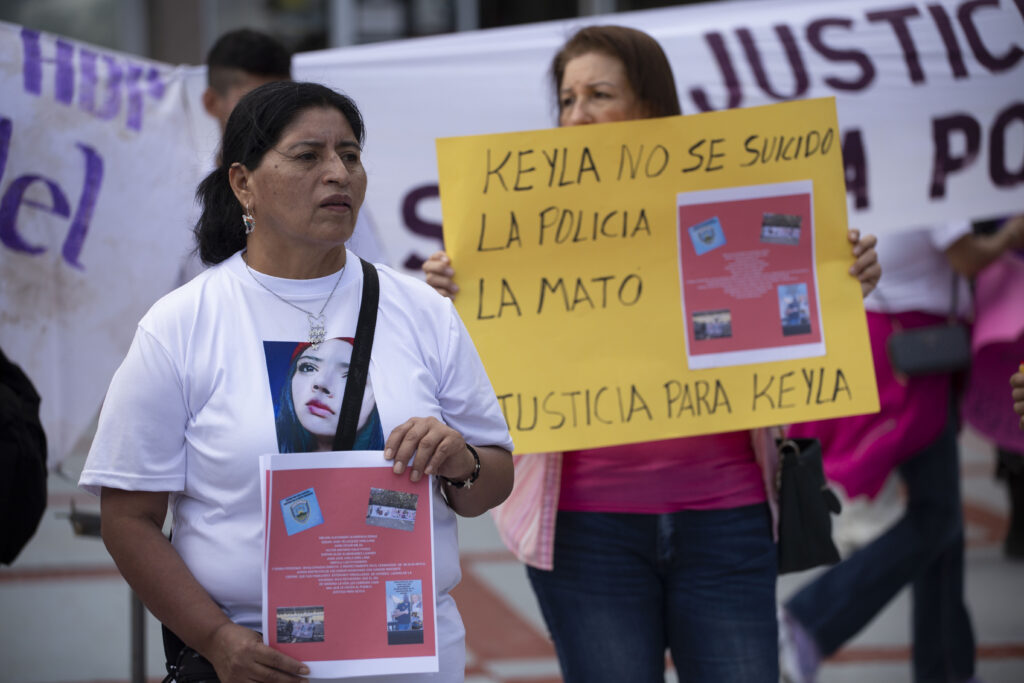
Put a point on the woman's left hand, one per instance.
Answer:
(866, 268)
(438, 448)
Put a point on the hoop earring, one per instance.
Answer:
(249, 221)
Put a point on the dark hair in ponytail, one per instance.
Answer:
(254, 127)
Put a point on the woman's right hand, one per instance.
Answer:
(1017, 382)
(440, 274)
(240, 655)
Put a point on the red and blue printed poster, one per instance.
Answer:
(747, 273)
(349, 569)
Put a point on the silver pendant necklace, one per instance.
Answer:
(317, 328)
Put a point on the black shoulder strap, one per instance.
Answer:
(359, 368)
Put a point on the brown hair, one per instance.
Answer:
(647, 67)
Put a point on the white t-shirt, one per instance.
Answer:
(916, 275)
(191, 409)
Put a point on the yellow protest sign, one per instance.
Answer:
(650, 279)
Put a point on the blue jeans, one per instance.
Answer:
(625, 587)
(925, 549)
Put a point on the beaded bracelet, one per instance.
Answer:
(468, 482)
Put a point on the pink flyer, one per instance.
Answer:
(348, 576)
(747, 274)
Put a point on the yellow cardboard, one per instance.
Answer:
(567, 246)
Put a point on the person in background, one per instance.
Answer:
(990, 299)
(238, 62)
(669, 544)
(915, 433)
(22, 460)
(191, 407)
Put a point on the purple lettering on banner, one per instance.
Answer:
(87, 80)
(136, 97)
(112, 105)
(953, 53)
(944, 162)
(855, 168)
(134, 113)
(86, 204)
(64, 86)
(796, 62)
(32, 70)
(985, 58)
(91, 82)
(13, 199)
(418, 225)
(814, 36)
(6, 128)
(897, 18)
(156, 84)
(1001, 175)
(732, 82)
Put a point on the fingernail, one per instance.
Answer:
(455, 287)
(399, 467)
(415, 476)
(429, 470)
(388, 454)
(304, 670)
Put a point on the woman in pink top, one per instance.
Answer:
(666, 544)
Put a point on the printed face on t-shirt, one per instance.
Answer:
(308, 386)
(318, 386)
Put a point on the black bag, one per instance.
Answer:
(190, 667)
(22, 460)
(806, 504)
(185, 665)
(930, 350)
(934, 349)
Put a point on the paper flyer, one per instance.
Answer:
(348, 574)
(747, 273)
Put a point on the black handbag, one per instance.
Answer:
(806, 506)
(933, 349)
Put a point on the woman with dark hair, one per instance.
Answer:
(310, 401)
(669, 544)
(191, 407)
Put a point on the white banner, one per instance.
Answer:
(100, 152)
(96, 182)
(930, 98)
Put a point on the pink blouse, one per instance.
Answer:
(693, 473)
(526, 521)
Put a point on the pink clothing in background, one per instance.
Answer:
(860, 451)
(693, 473)
(998, 345)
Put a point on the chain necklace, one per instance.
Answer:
(316, 320)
